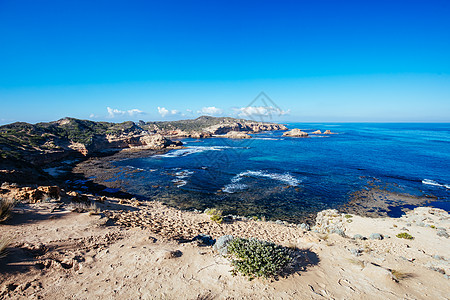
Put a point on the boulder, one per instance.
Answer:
(53, 192)
(295, 133)
(237, 135)
(199, 135)
(328, 132)
(316, 132)
(155, 141)
(221, 244)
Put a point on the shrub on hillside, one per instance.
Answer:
(255, 258)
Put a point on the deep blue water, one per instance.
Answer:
(279, 176)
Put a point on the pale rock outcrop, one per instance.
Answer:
(244, 126)
(316, 132)
(328, 132)
(296, 133)
(236, 135)
(79, 147)
(155, 141)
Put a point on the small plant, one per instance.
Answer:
(92, 209)
(216, 218)
(254, 258)
(348, 216)
(6, 205)
(4, 243)
(357, 262)
(432, 226)
(216, 215)
(405, 235)
(398, 275)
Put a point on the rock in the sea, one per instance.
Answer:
(316, 132)
(295, 133)
(328, 132)
(376, 236)
(237, 135)
(221, 244)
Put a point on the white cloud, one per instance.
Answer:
(260, 111)
(114, 112)
(165, 112)
(211, 111)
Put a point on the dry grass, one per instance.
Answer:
(4, 243)
(357, 262)
(92, 209)
(6, 206)
(397, 275)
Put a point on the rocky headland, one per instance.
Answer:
(25, 149)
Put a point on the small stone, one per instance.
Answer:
(359, 237)
(305, 227)
(356, 252)
(443, 233)
(339, 231)
(376, 236)
(204, 240)
(172, 254)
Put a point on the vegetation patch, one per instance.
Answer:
(405, 235)
(4, 243)
(6, 205)
(254, 258)
(216, 215)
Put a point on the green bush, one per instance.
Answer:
(405, 235)
(216, 214)
(255, 258)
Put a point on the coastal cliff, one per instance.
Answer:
(24, 146)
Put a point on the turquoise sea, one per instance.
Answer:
(287, 178)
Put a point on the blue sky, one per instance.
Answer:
(360, 61)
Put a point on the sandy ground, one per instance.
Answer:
(128, 252)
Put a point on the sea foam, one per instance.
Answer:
(192, 150)
(236, 186)
(434, 183)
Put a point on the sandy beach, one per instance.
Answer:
(145, 250)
